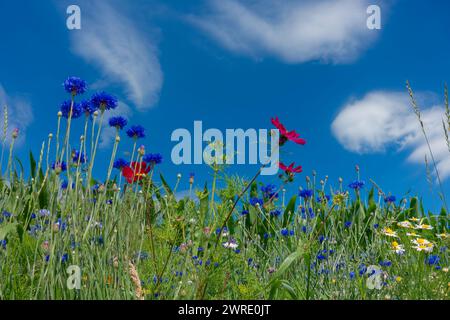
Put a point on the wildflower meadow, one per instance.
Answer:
(66, 233)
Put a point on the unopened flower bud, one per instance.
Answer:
(15, 133)
(141, 150)
(59, 114)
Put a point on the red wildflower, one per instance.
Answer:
(290, 169)
(136, 171)
(286, 135)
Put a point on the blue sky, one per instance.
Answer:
(235, 64)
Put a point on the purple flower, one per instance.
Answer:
(356, 185)
(76, 109)
(306, 193)
(75, 85)
(256, 201)
(136, 132)
(103, 101)
(118, 122)
(153, 158)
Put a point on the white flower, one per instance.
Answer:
(389, 232)
(424, 226)
(422, 245)
(405, 224)
(412, 234)
(398, 248)
(230, 245)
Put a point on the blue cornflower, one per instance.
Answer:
(78, 156)
(75, 85)
(44, 213)
(7, 214)
(291, 233)
(64, 185)
(76, 109)
(321, 238)
(120, 163)
(348, 224)
(284, 232)
(275, 213)
(356, 185)
(60, 166)
(64, 258)
(244, 212)
(255, 201)
(61, 224)
(376, 226)
(136, 132)
(310, 213)
(352, 275)
(385, 263)
(118, 122)
(390, 199)
(153, 158)
(3, 244)
(103, 101)
(142, 255)
(269, 191)
(325, 198)
(305, 193)
(225, 230)
(266, 235)
(362, 269)
(237, 251)
(321, 257)
(304, 229)
(87, 107)
(33, 216)
(432, 260)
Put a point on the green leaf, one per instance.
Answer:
(32, 165)
(165, 185)
(7, 229)
(289, 211)
(287, 263)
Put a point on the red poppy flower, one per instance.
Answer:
(290, 169)
(136, 171)
(286, 135)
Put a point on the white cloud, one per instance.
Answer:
(123, 53)
(293, 31)
(108, 134)
(385, 119)
(20, 115)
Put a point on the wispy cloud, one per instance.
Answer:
(383, 120)
(125, 55)
(20, 115)
(293, 31)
